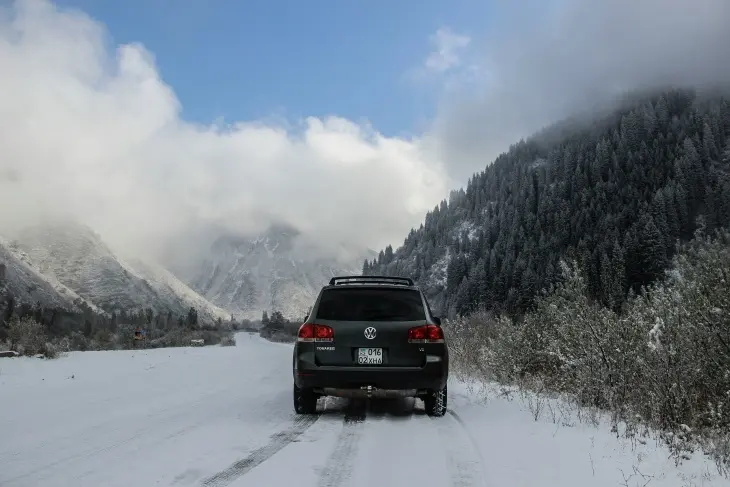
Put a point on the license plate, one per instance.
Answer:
(370, 356)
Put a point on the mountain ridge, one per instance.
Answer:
(269, 272)
(615, 194)
(22, 279)
(74, 260)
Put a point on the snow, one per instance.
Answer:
(72, 254)
(172, 288)
(539, 162)
(222, 416)
(438, 270)
(30, 285)
(267, 273)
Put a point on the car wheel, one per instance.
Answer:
(305, 401)
(435, 402)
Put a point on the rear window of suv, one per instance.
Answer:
(371, 304)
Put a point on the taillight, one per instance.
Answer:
(426, 334)
(309, 332)
(306, 333)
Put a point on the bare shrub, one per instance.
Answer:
(278, 336)
(536, 403)
(684, 378)
(63, 345)
(664, 361)
(26, 336)
(180, 337)
(124, 336)
(50, 350)
(228, 341)
(176, 337)
(480, 345)
(79, 342)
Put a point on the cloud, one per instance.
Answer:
(95, 134)
(91, 131)
(538, 66)
(447, 50)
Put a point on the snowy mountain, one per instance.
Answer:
(615, 194)
(172, 289)
(248, 276)
(76, 257)
(27, 284)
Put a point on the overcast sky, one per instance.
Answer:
(90, 129)
(577, 55)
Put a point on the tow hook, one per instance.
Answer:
(369, 390)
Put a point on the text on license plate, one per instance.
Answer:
(370, 356)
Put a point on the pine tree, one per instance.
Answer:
(461, 300)
(388, 254)
(618, 282)
(88, 328)
(577, 193)
(650, 257)
(710, 149)
(192, 318)
(607, 275)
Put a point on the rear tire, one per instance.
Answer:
(305, 401)
(435, 402)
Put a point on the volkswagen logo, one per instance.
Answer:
(369, 332)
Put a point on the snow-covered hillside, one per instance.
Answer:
(57, 263)
(172, 289)
(223, 416)
(75, 256)
(247, 277)
(27, 284)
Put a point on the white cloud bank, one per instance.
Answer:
(543, 61)
(96, 134)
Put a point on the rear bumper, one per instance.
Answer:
(382, 381)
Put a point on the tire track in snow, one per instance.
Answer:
(277, 441)
(463, 458)
(338, 468)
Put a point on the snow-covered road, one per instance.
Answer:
(223, 416)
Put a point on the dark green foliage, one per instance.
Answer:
(616, 196)
(278, 328)
(89, 326)
(192, 318)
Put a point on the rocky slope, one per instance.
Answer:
(74, 256)
(27, 284)
(248, 276)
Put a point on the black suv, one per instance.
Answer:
(371, 336)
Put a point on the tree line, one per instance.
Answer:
(276, 327)
(616, 195)
(659, 367)
(87, 328)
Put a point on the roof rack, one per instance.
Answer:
(401, 281)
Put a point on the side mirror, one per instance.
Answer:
(437, 320)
